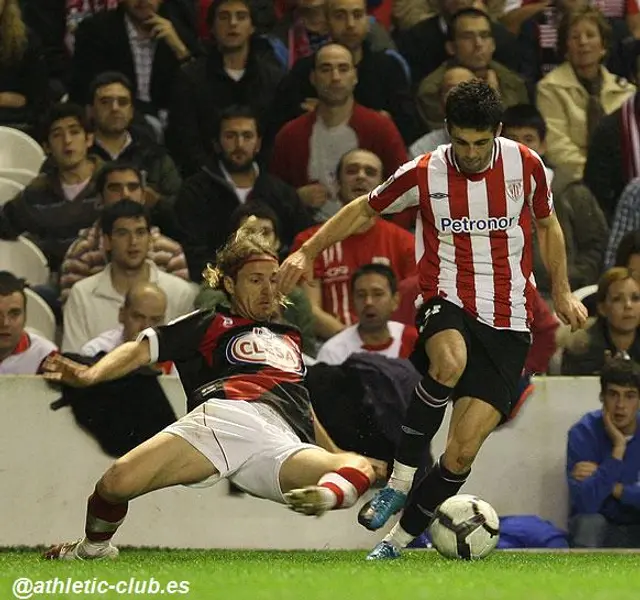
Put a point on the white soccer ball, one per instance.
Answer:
(465, 527)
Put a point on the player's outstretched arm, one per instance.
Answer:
(344, 223)
(120, 362)
(552, 249)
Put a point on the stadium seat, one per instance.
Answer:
(40, 317)
(9, 189)
(24, 259)
(22, 177)
(19, 151)
(587, 295)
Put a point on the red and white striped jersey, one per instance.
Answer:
(385, 243)
(473, 231)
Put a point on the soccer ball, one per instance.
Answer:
(465, 527)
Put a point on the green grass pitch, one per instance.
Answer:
(336, 575)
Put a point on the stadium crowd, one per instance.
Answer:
(166, 125)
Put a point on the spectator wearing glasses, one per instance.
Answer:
(471, 45)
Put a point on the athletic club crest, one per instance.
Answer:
(515, 189)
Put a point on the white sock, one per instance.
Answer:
(89, 548)
(398, 537)
(402, 477)
(329, 498)
(343, 493)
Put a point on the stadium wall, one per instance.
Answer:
(48, 468)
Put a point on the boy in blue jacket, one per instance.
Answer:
(603, 464)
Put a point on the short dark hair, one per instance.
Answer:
(620, 371)
(123, 209)
(629, 245)
(109, 78)
(115, 167)
(64, 110)
(376, 269)
(237, 111)
(525, 115)
(464, 12)
(10, 284)
(257, 208)
(473, 105)
(214, 7)
(573, 17)
(315, 54)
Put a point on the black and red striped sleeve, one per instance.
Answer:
(180, 339)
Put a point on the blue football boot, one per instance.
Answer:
(384, 551)
(386, 503)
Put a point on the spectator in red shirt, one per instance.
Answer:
(358, 172)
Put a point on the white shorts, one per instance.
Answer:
(247, 443)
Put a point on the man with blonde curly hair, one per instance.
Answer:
(250, 418)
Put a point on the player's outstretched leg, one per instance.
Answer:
(447, 358)
(340, 480)
(422, 421)
(103, 520)
(433, 489)
(473, 420)
(162, 461)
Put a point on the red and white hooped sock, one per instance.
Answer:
(347, 485)
(103, 518)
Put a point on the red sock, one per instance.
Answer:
(347, 483)
(103, 518)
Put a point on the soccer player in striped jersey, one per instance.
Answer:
(477, 199)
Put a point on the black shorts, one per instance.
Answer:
(495, 357)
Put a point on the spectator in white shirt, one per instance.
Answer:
(21, 352)
(145, 305)
(94, 302)
(375, 297)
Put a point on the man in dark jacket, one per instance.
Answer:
(116, 138)
(613, 157)
(55, 22)
(56, 204)
(424, 44)
(138, 41)
(228, 179)
(238, 69)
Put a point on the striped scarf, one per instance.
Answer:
(630, 131)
